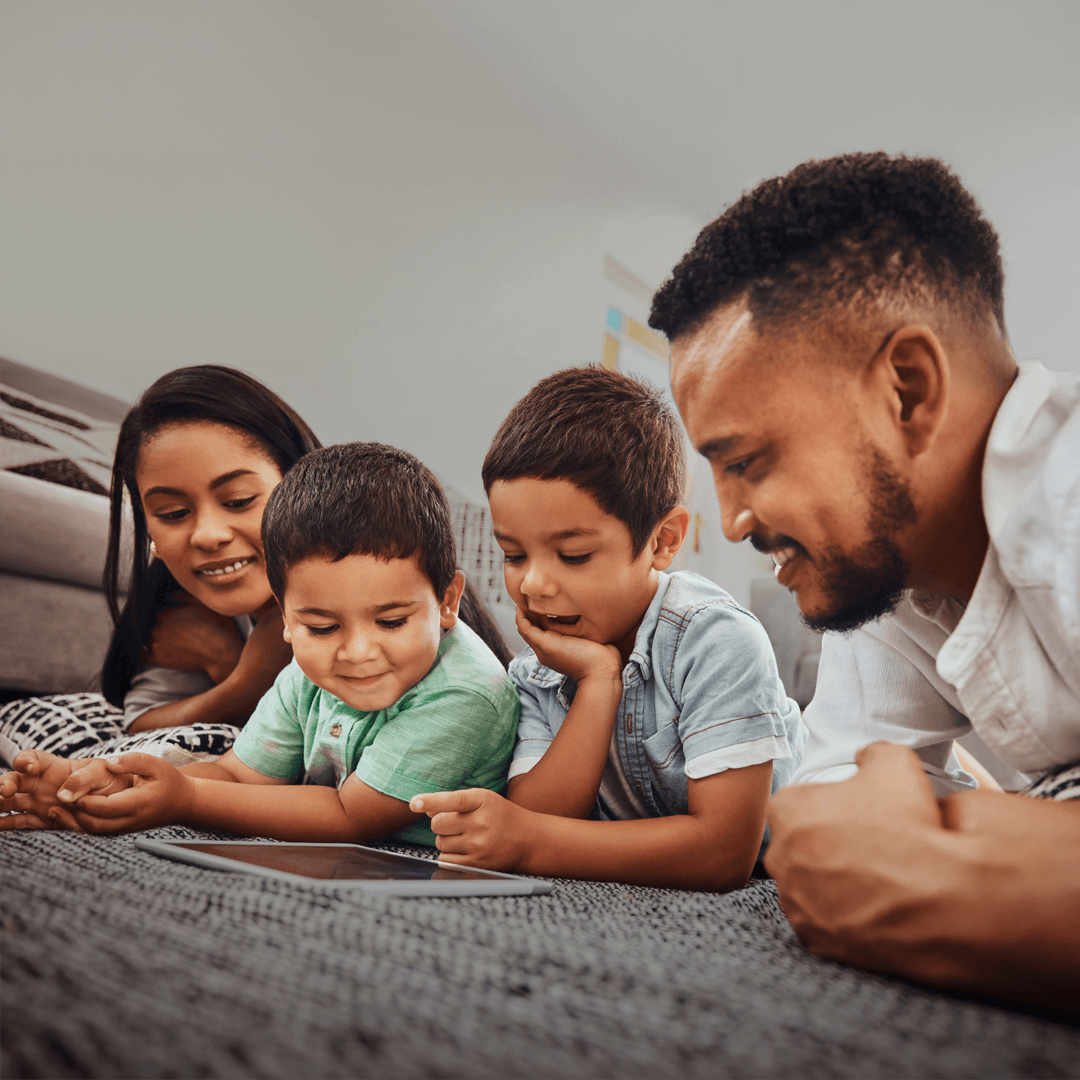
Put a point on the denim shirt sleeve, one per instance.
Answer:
(534, 731)
(733, 708)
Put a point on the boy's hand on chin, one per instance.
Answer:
(160, 795)
(476, 827)
(577, 657)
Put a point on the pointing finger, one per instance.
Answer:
(437, 802)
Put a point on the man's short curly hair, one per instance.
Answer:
(609, 434)
(852, 232)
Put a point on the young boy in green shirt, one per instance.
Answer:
(389, 695)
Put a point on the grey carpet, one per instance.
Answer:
(118, 964)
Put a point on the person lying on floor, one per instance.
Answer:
(650, 701)
(390, 693)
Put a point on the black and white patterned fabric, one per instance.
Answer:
(86, 725)
(121, 964)
(1061, 784)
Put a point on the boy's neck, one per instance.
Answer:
(626, 644)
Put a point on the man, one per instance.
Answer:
(839, 355)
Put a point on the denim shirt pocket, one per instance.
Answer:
(664, 752)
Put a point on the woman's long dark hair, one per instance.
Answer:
(207, 393)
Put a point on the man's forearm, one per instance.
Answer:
(679, 852)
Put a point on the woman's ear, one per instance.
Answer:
(448, 610)
(669, 535)
(914, 368)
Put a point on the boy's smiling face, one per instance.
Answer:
(571, 566)
(364, 629)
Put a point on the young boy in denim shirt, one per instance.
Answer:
(654, 726)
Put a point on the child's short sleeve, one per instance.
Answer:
(443, 740)
(733, 709)
(272, 741)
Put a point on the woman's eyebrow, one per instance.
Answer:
(215, 484)
(164, 491)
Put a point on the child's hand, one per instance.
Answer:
(161, 795)
(476, 827)
(33, 789)
(574, 656)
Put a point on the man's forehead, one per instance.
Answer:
(714, 345)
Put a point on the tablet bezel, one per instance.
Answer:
(498, 884)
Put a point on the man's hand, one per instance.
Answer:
(34, 789)
(476, 827)
(577, 657)
(979, 894)
(191, 637)
(161, 795)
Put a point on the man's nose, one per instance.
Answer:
(738, 521)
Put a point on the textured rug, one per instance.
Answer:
(119, 964)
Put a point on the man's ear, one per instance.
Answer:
(448, 610)
(669, 535)
(915, 368)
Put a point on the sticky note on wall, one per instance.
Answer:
(611, 352)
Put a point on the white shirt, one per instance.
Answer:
(1009, 665)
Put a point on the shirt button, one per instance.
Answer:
(335, 730)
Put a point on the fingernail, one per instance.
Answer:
(65, 795)
(416, 803)
(113, 760)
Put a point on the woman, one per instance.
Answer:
(198, 639)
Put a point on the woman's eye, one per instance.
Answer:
(172, 515)
(239, 504)
(321, 631)
(513, 558)
(393, 624)
(576, 560)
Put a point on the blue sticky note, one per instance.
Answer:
(614, 319)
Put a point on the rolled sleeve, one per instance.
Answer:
(534, 734)
(734, 711)
(272, 741)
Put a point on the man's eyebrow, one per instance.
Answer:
(215, 484)
(716, 448)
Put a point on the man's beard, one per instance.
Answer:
(867, 583)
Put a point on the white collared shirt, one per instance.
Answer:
(1007, 666)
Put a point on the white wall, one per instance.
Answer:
(335, 197)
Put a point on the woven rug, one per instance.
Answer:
(119, 964)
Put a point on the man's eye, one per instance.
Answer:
(737, 468)
(513, 558)
(239, 504)
(322, 631)
(173, 515)
(393, 624)
(576, 560)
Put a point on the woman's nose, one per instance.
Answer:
(210, 532)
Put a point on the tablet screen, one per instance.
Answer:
(327, 862)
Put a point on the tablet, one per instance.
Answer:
(345, 866)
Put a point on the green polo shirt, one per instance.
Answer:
(455, 728)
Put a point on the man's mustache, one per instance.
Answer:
(768, 544)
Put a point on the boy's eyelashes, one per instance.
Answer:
(383, 624)
(571, 560)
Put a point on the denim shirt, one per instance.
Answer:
(701, 694)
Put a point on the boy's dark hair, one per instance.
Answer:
(609, 434)
(367, 499)
(845, 232)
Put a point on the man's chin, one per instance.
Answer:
(852, 612)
